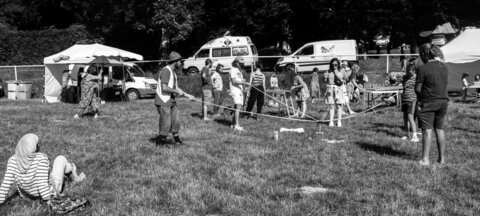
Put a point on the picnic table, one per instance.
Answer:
(475, 86)
(286, 99)
(375, 93)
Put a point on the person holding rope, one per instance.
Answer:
(207, 88)
(257, 89)
(334, 96)
(165, 100)
(431, 89)
(236, 90)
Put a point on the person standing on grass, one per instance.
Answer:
(347, 87)
(465, 86)
(409, 100)
(217, 83)
(207, 88)
(29, 170)
(90, 101)
(431, 89)
(358, 80)
(334, 78)
(257, 89)
(165, 100)
(236, 90)
(315, 85)
(300, 90)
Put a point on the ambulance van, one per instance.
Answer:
(223, 51)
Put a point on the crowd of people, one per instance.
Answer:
(424, 97)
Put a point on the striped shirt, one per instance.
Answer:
(35, 182)
(409, 94)
(258, 78)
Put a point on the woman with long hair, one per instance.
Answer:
(334, 96)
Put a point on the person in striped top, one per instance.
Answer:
(257, 89)
(29, 169)
(409, 100)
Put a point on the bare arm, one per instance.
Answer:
(7, 183)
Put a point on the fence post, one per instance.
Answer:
(388, 62)
(16, 76)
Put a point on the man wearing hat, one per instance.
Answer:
(236, 89)
(167, 92)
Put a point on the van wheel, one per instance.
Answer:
(290, 66)
(192, 71)
(132, 94)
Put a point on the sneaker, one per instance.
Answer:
(178, 141)
(339, 124)
(331, 124)
(404, 137)
(207, 119)
(352, 112)
(95, 116)
(76, 116)
(415, 139)
(238, 128)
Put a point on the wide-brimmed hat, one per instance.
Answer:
(240, 59)
(174, 57)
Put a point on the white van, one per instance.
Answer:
(223, 51)
(137, 83)
(318, 55)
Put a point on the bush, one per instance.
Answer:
(30, 47)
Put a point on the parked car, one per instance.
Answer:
(268, 62)
(381, 41)
(223, 51)
(318, 55)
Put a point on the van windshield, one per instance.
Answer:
(135, 71)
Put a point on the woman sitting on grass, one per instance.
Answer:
(28, 170)
(300, 89)
(89, 101)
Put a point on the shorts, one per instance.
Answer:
(207, 96)
(334, 95)
(409, 106)
(237, 97)
(431, 115)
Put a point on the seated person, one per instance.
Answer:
(28, 169)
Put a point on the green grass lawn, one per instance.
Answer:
(223, 172)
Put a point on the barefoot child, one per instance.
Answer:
(300, 89)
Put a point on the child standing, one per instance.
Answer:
(300, 89)
(315, 85)
(217, 82)
(409, 100)
(257, 89)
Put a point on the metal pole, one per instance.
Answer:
(16, 76)
(388, 62)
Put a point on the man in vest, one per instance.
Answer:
(167, 92)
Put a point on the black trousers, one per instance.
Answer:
(256, 96)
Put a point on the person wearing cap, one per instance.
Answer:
(167, 92)
(236, 90)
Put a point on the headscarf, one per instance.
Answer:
(25, 151)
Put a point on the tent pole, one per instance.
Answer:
(16, 76)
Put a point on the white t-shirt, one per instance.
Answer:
(236, 74)
(217, 81)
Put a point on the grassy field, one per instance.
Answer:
(223, 172)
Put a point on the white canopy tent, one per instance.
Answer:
(56, 64)
(462, 54)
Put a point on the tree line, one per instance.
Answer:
(154, 27)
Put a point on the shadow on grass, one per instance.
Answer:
(388, 126)
(384, 150)
(380, 130)
(467, 130)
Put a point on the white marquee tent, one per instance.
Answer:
(462, 54)
(56, 64)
